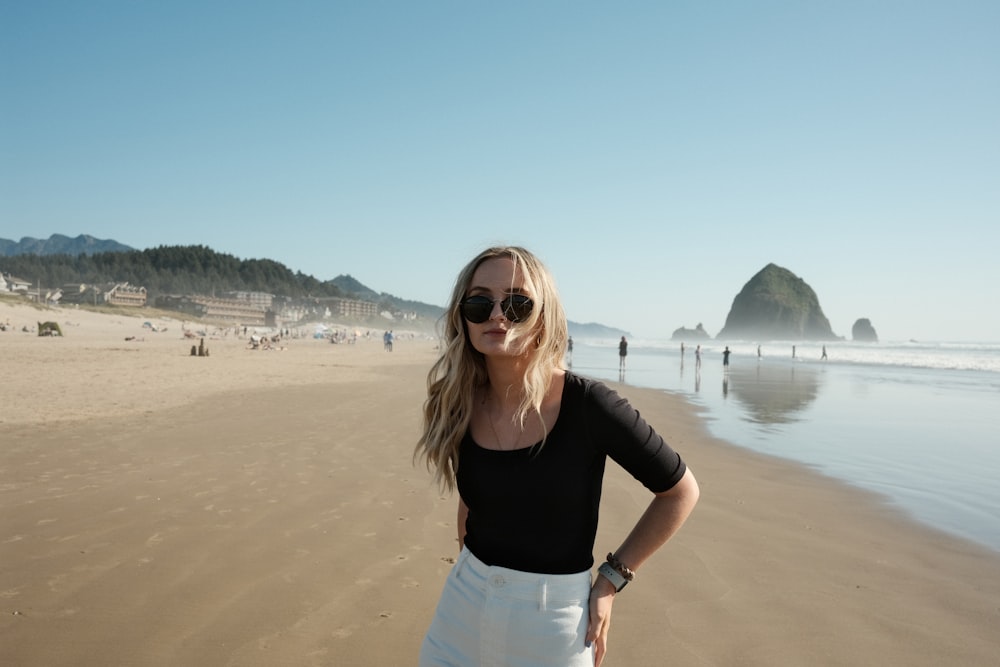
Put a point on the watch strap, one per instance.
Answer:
(612, 575)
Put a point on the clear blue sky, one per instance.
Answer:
(655, 154)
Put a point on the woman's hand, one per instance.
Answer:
(602, 596)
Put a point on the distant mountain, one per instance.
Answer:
(594, 330)
(776, 305)
(57, 244)
(352, 286)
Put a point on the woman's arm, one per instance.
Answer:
(666, 513)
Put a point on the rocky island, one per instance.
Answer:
(698, 333)
(863, 331)
(776, 305)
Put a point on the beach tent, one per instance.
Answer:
(49, 329)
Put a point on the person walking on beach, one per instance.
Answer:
(824, 353)
(725, 357)
(521, 590)
(622, 353)
(697, 358)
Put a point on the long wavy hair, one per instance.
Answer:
(454, 379)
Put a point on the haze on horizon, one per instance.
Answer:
(655, 155)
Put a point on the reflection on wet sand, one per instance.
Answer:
(772, 394)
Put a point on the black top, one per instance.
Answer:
(536, 510)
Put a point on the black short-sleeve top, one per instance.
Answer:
(536, 509)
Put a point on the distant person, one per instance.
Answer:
(824, 353)
(758, 351)
(697, 357)
(725, 357)
(527, 432)
(793, 351)
(622, 353)
(682, 350)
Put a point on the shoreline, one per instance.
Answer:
(260, 508)
(879, 427)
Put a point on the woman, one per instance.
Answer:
(525, 442)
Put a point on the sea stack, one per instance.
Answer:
(776, 305)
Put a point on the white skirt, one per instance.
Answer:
(497, 617)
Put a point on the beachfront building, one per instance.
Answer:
(12, 284)
(123, 294)
(257, 299)
(339, 307)
(238, 311)
(113, 294)
(81, 293)
(9, 283)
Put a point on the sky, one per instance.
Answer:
(655, 155)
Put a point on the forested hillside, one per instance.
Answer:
(197, 269)
(169, 270)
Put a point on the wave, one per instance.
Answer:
(958, 356)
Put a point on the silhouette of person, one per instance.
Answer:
(725, 357)
(824, 353)
(622, 353)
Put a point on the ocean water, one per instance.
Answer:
(918, 423)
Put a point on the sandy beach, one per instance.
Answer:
(261, 508)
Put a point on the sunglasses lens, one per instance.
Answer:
(516, 307)
(477, 309)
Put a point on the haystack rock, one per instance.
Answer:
(863, 331)
(776, 305)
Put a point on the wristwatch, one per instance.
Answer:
(614, 576)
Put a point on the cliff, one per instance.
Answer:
(776, 305)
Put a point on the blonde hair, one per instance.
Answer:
(454, 380)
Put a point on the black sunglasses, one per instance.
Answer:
(477, 309)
